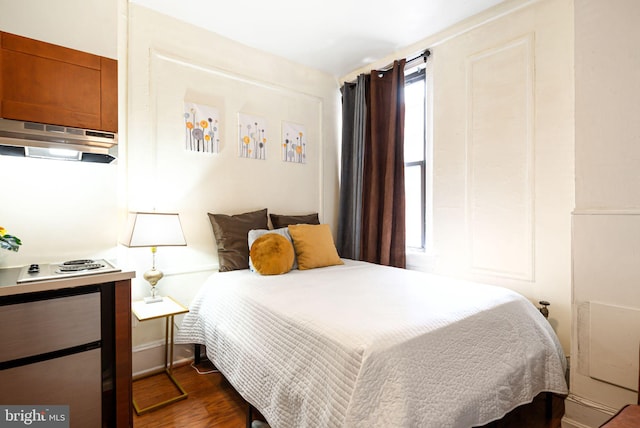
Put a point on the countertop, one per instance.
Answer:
(9, 276)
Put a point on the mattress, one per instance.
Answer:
(363, 345)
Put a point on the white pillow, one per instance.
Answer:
(256, 233)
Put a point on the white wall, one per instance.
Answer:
(182, 63)
(85, 25)
(60, 210)
(606, 223)
(503, 155)
(503, 166)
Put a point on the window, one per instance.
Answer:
(415, 149)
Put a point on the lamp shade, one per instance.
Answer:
(153, 230)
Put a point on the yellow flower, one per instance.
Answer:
(9, 242)
(246, 139)
(300, 133)
(204, 123)
(207, 137)
(298, 149)
(189, 125)
(264, 140)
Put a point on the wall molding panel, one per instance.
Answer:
(233, 93)
(500, 153)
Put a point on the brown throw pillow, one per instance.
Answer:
(279, 220)
(231, 233)
(314, 246)
(272, 254)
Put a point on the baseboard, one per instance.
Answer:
(150, 357)
(569, 423)
(582, 413)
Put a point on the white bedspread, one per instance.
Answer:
(363, 345)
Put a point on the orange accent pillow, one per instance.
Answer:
(272, 254)
(314, 246)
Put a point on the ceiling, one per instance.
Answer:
(335, 36)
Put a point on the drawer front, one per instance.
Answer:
(42, 326)
(74, 380)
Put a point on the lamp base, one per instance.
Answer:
(153, 276)
(153, 299)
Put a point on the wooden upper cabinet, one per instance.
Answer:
(41, 82)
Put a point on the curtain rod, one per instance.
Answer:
(422, 58)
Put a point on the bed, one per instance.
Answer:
(363, 345)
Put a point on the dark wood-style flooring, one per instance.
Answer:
(213, 403)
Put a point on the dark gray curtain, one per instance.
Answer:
(354, 118)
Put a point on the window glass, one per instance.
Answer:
(414, 121)
(413, 206)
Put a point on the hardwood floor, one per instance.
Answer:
(212, 402)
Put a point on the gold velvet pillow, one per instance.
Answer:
(314, 246)
(272, 254)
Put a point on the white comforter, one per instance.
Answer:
(362, 345)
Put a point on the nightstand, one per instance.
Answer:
(166, 309)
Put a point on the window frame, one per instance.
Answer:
(413, 77)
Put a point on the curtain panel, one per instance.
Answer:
(354, 117)
(377, 233)
(383, 216)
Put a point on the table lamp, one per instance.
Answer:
(151, 229)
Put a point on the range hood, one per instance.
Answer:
(30, 139)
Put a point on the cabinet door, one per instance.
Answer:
(49, 325)
(41, 82)
(73, 380)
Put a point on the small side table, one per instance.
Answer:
(166, 309)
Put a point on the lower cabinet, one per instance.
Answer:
(69, 347)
